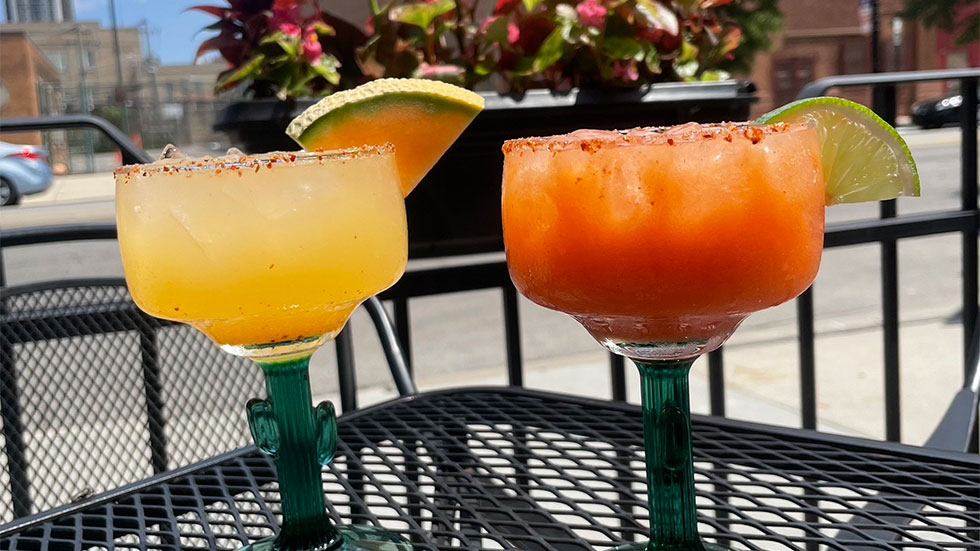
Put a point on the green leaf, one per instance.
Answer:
(484, 68)
(278, 61)
(715, 75)
(234, 77)
(652, 60)
(524, 67)
(550, 52)
(327, 67)
(689, 53)
(421, 15)
(574, 33)
(288, 44)
(529, 5)
(687, 70)
(497, 31)
(566, 13)
(323, 29)
(622, 47)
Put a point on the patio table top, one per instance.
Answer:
(509, 468)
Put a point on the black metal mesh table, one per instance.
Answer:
(517, 469)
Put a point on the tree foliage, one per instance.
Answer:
(759, 21)
(943, 14)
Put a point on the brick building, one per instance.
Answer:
(824, 37)
(29, 81)
(84, 55)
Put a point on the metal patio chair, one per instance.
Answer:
(96, 394)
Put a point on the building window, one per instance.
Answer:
(88, 60)
(59, 60)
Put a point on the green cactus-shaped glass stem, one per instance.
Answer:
(670, 467)
(302, 439)
(666, 404)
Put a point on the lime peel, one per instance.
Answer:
(864, 158)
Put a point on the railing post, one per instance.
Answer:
(716, 381)
(617, 375)
(512, 335)
(885, 102)
(968, 166)
(885, 107)
(808, 363)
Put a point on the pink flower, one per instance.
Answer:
(626, 71)
(440, 72)
(312, 48)
(591, 13)
(291, 29)
(513, 34)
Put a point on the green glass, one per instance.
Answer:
(303, 439)
(665, 397)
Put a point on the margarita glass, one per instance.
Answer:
(660, 242)
(269, 255)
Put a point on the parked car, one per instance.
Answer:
(938, 112)
(24, 170)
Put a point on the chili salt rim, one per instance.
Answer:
(250, 162)
(593, 140)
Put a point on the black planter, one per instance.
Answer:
(456, 208)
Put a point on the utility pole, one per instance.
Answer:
(120, 89)
(84, 96)
(115, 42)
(151, 67)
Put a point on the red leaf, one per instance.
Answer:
(217, 43)
(504, 6)
(730, 41)
(251, 6)
(211, 10)
(234, 53)
(706, 4)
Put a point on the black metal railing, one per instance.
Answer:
(886, 231)
(130, 153)
(889, 229)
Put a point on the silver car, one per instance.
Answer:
(23, 170)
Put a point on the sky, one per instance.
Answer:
(173, 33)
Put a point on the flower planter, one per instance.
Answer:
(456, 209)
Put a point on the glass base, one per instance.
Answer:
(355, 538)
(645, 339)
(280, 351)
(643, 547)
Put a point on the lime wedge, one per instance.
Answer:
(864, 158)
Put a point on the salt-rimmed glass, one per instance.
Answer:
(269, 255)
(660, 242)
